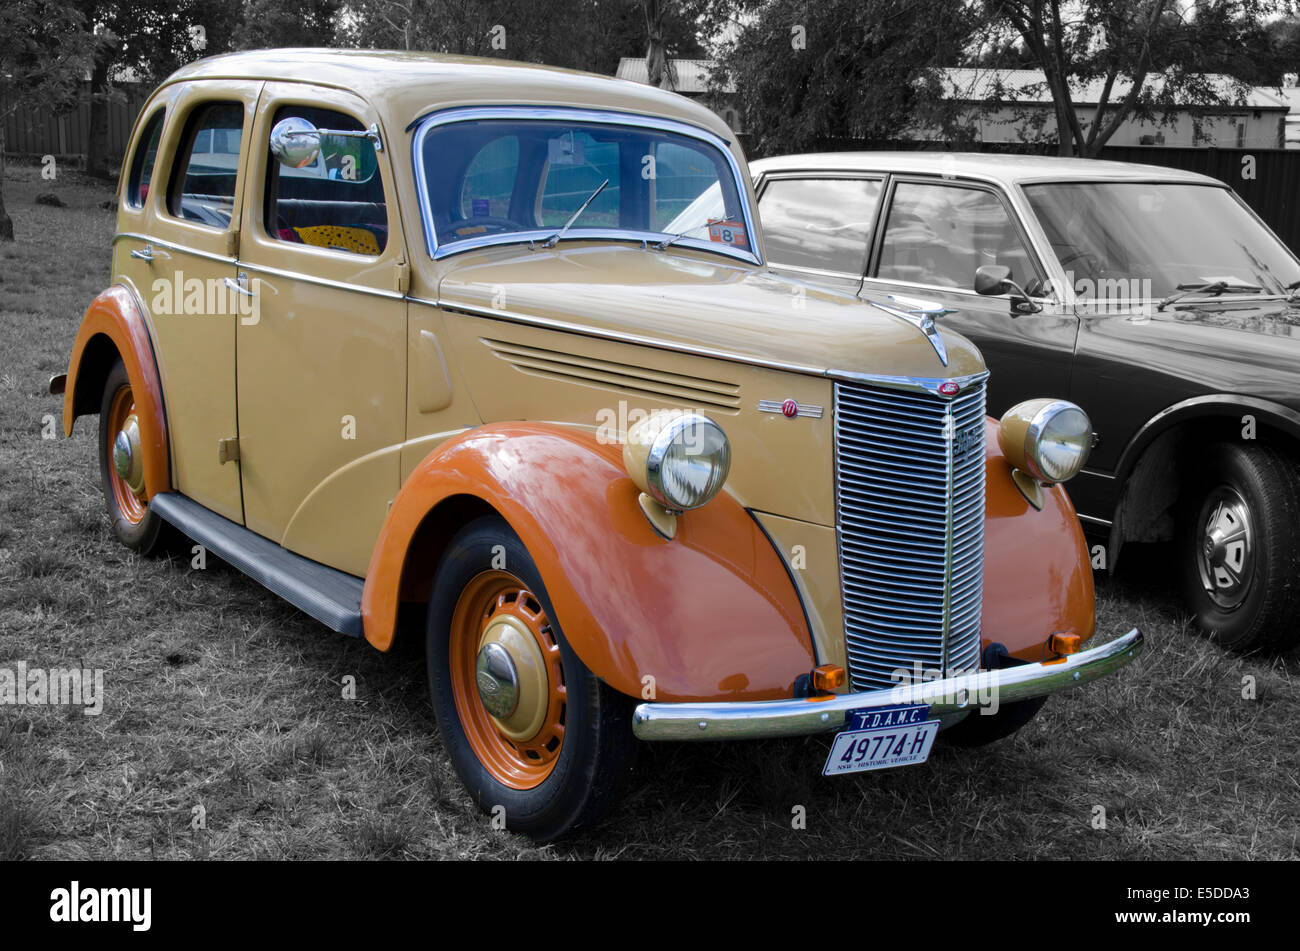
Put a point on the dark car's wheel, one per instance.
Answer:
(529, 728)
(121, 468)
(1239, 549)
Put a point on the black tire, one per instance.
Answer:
(595, 757)
(151, 535)
(1259, 487)
(980, 730)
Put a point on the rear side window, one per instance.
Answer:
(146, 153)
(821, 223)
(203, 178)
(335, 201)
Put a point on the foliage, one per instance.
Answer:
(803, 72)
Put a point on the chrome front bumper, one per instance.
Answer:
(797, 717)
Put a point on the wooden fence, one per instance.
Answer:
(31, 134)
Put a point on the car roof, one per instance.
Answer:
(1002, 168)
(405, 85)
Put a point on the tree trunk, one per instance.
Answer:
(6, 223)
(97, 157)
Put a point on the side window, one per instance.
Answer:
(146, 153)
(490, 180)
(202, 185)
(940, 235)
(335, 201)
(576, 163)
(821, 223)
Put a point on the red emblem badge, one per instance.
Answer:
(949, 387)
(790, 408)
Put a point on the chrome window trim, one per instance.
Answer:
(570, 114)
(171, 245)
(261, 268)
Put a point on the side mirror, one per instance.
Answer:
(993, 279)
(990, 279)
(295, 142)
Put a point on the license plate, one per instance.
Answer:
(882, 738)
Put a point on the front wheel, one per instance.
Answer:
(1239, 551)
(536, 738)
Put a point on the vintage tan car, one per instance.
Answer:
(489, 354)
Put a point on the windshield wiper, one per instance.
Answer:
(554, 239)
(668, 241)
(1215, 287)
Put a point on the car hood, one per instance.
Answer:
(1224, 345)
(689, 300)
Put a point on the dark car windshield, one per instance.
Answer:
(508, 179)
(1146, 240)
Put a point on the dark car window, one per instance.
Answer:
(335, 201)
(822, 223)
(940, 234)
(146, 153)
(203, 177)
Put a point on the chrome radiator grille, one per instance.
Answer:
(909, 497)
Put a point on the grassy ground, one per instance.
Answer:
(220, 696)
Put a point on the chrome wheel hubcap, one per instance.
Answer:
(497, 680)
(126, 455)
(1225, 548)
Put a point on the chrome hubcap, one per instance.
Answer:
(497, 680)
(126, 455)
(1225, 550)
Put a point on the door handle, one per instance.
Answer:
(239, 286)
(147, 253)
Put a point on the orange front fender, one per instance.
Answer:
(1037, 574)
(709, 615)
(113, 327)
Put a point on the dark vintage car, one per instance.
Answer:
(1153, 298)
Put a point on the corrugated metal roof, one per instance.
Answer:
(688, 76)
(1030, 85)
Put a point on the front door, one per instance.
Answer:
(934, 236)
(322, 368)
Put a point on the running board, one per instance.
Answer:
(328, 595)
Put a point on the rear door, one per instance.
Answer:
(322, 368)
(182, 263)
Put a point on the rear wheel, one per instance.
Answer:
(1239, 551)
(528, 727)
(121, 467)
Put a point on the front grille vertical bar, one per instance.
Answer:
(909, 497)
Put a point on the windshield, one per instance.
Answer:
(491, 180)
(1146, 240)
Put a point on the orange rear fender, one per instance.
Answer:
(114, 326)
(710, 615)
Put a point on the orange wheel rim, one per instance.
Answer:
(130, 504)
(497, 608)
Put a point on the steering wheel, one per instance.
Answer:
(1090, 260)
(493, 226)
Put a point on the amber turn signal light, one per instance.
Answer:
(828, 677)
(1064, 643)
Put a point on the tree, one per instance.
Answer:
(268, 23)
(578, 34)
(805, 71)
(1145, 57)
(43, 53)
(150, 39)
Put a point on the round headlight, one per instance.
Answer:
(680, 459)
(1049, 439)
